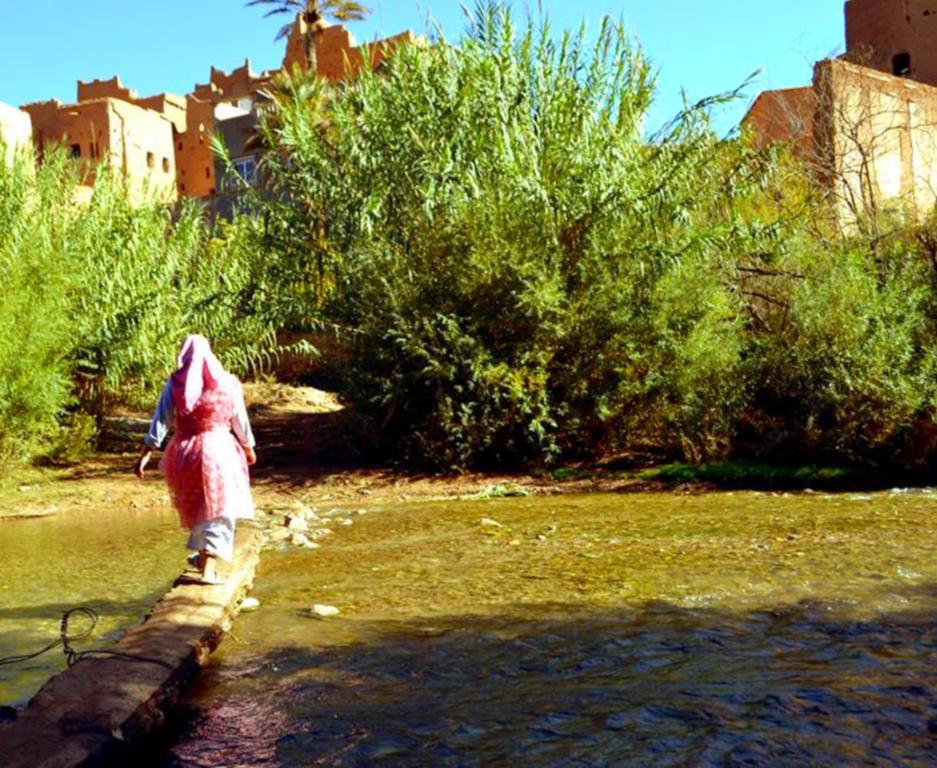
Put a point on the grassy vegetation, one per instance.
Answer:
(97, 296)
(754, 474)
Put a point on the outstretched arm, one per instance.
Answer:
(159, 428)
(241, 426)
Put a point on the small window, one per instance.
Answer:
(76, 150)
(208, 173)
(180, 146)
(211, 191)
(901, 64)
(150, 160)
(246, 168)
(165, 165)
(182, 187)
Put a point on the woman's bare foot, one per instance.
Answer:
(209, 569)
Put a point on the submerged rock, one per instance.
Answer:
(295, 523)
(323, 611)
(302, 540)
(249, 604)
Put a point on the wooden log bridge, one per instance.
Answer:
(101, 710)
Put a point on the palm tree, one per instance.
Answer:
(315, 14)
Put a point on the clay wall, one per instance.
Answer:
(15, 131)
(195, 161)
(242, 83)
(785, 115)
(137, 141)
(82, 128)
(876, 139)
(894, 36)
(170, 106)
(104, 89)
(141, 145)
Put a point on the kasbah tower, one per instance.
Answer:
(161, 143)
(894, 36)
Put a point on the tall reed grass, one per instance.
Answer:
(97, 296)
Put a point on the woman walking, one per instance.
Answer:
(206, 461)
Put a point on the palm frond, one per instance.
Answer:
(343, 10)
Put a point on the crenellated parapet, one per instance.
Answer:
(110, 122)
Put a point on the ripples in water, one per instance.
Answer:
(664, 687)
(601, 631)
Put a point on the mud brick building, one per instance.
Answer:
(898, 37)
(162, 143)
(868, 123)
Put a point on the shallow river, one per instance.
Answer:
(117, 564)
(632, 630)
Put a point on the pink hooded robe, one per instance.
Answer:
(204, 463)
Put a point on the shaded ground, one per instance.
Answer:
(310, 449)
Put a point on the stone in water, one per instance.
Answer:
(324, 611)
(250, 604)
(296, 523)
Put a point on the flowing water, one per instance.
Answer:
(118, 564)
(632, 630)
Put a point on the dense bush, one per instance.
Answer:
(520, 272)
(97, 296)
(849, 371)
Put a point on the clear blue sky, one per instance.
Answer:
(169, 45)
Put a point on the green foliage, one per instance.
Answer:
(519, 272)
(753, 474)
(850, 373)
(98, 295)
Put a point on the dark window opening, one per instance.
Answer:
(208, 173)
(76, 150)
(165, 165)
(183, 187)
(150, 160)
(901, 64)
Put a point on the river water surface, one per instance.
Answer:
(118, 564)
(632, 630)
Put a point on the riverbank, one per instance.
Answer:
(312, 451)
